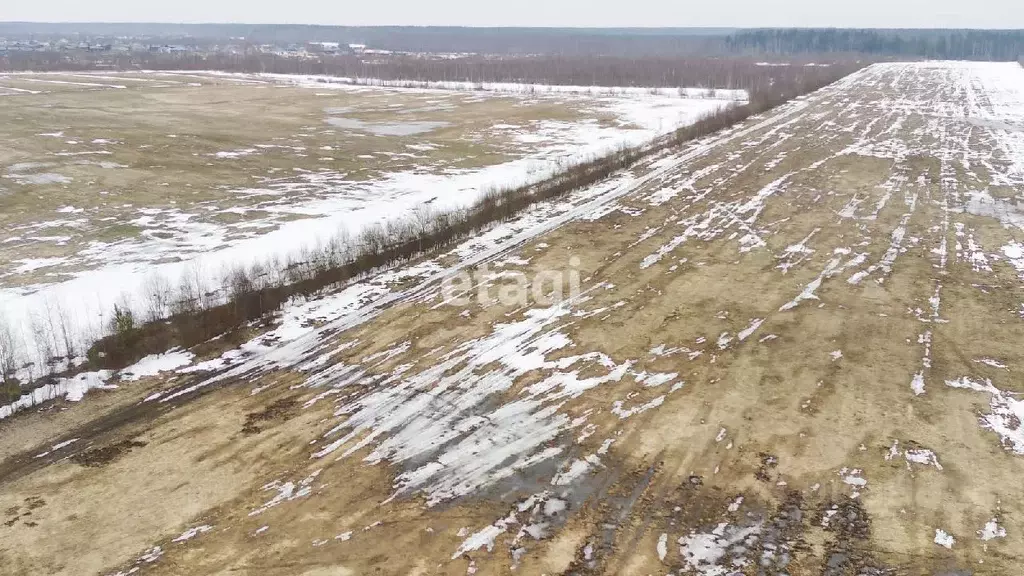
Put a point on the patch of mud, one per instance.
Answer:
(280, 411)
(98, 457)
(848, 524)
(23, 512)
(768, 464)
(615, 511)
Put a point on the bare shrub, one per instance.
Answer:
(188, 300)
(238, 283)
(203, 292)
(157, 293)
(123, 321)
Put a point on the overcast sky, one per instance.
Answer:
(607, 13)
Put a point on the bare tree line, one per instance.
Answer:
(46, 344)
(704, 72)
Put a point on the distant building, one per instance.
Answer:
(166, 49)
(325, 47)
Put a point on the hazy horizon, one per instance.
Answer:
(918, 14)
(489, 26)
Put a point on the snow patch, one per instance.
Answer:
(155, 364)
(943, 539)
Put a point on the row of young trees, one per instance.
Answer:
(726, 73)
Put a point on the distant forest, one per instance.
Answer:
(565, 42)
(624, 42)
(1001, 45)
(1006, 45)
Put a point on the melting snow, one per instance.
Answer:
(192, 533)
(623, 414)
(72, 389)
(991, 362)
(1006, 416)
(914, 455)
(485, 537)
(754, 325)
(917, 384)
(991, 531)
(153, 365)
(706, 553)
(287, 491)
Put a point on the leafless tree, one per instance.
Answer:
(8, 351)
(52, 326)
(64, 327)
(157, 293)
(43, 343)
(189, 298)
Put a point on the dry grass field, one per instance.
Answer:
(110, 182)
(111, 159)
(795, 351)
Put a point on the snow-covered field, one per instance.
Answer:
(262, 199)
(513, 88)
(794, 351)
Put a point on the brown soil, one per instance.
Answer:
(778, 447)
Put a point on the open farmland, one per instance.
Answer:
(794, 351)
(112, 182)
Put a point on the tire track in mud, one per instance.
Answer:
(712, 527)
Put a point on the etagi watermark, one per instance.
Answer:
(512, 287)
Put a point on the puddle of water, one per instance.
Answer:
(41, 179)
(387, 128)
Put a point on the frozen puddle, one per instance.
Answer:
(387, 128)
